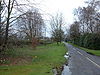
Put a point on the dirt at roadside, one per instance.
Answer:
(15, 61)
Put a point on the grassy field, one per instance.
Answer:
(44, 58)
(94, 52)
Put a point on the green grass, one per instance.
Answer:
(95, 52)
(44, 59)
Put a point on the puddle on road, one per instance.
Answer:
(54, 71)
(66, 71)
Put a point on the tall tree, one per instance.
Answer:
(56, 23)
(86, 16)
(31, 24)
(9, 10)
(74, 31)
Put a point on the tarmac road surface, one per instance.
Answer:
(82, 63)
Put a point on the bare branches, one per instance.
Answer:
(31, 24)
(13, 10)
(86, 16)
(56, 23)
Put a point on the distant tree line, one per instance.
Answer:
(85, 31)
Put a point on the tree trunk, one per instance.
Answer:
(0, 24)
(7, 25)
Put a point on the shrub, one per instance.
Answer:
(88, 40)
(81, 41)
(91, 41)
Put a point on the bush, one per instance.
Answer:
(91, 41)
(76, 41)
(42, 41)
(82, 37)
(88, 40)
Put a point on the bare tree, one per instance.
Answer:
(31, 24)
(74, 31)
(86, 16)
(56, 23)
(9, 9)
(89, 25)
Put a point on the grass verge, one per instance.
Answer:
(94, 52)
(44, 58)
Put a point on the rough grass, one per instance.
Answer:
(94, 52)
(44, 58)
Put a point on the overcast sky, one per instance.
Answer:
(64, 6)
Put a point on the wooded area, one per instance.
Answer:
(20, 23)
(85, 31)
